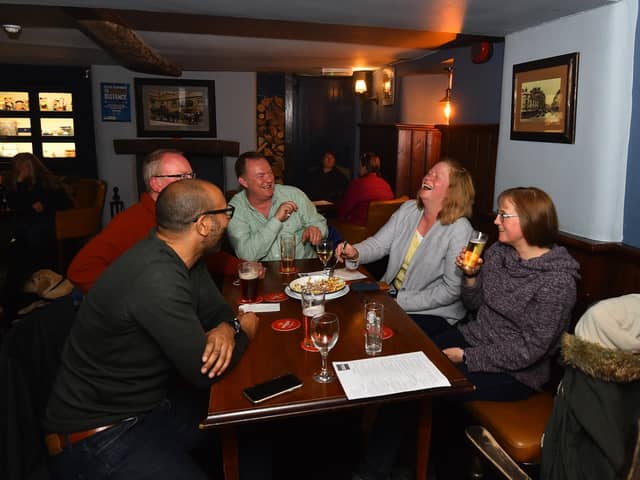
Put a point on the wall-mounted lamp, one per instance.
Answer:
(447, 100)
(12, 30)
(362, 83)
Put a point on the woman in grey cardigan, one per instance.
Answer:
(423, 239)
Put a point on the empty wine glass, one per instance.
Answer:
(325, 330)
(324, 249)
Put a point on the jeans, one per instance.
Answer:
(154, 445)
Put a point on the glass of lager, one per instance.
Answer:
(287, 253)
(474, 249)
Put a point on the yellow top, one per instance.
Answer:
(415, 241)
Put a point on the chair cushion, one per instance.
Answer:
(517, 426)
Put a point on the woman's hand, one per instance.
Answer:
(455, 354)
(468, 271)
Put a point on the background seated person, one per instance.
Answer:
(153, 317)
(423, 238)
(159, 169)
(368, 188)
(327, 182)
(265, 210)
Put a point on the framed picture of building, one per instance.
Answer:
(545, 91)
(175, 108)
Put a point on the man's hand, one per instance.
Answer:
(313, 234)
(285, 210)
(218, 351)
(454, 354)
(38, 206)
(249, 324)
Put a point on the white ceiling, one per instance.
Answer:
(48, 38)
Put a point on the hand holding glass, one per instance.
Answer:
(474, 249)
(325, 330)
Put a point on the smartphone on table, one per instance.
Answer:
(272, 388)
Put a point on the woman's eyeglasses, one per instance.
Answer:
(503, 215)
(181, 176)
(227, 211)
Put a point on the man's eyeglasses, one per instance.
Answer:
(227, 211)
(503, 215)
(181, 176)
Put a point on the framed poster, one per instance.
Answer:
(116, 102)
(175, 108)
(544, 99)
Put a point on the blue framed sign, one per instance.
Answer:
(116, 102)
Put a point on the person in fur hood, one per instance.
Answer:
(593, 429)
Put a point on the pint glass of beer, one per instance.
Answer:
(312, 304)
(474, 249)
(287, 253)
(249, 272)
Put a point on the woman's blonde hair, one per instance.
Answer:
(460, 195)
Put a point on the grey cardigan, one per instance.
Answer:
(433, 281)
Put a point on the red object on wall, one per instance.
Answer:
(481, 52)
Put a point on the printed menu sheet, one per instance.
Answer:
(386, 375)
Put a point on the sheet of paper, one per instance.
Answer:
(259, 307)
(322, 203)
(385, 375)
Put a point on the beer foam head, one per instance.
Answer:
(248, 275)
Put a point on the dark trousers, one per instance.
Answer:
(156, 444)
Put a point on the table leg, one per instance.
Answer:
(230, 463)
(424, 439)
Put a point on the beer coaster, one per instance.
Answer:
(285, 324)
(387, 333)
(294, 270)
(308, 349)
(275, 297)
(258, 299)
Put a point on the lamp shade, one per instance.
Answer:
(360, 82)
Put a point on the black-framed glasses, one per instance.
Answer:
(181, 176)
(227, 211)
(504, 215)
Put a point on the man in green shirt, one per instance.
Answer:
(265, 210)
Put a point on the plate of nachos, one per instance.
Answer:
(334, 287)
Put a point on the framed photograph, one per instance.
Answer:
(175, 108)
(388, 85)
(544, 99)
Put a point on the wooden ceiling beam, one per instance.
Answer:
(113, 34)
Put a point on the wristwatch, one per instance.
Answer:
(235, 323)
(464, 357)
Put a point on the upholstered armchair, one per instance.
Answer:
(378, 214)
(84, 219)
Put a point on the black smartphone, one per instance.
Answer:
(271, 388)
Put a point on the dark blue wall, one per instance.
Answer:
(631, 231)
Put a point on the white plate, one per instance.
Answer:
(328, 296)
(298, 284)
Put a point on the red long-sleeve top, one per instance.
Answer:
(362, 191)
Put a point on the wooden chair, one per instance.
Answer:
(84, 219)
(378, 214)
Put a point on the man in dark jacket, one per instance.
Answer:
(154, 316)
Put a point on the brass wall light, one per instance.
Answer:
(447, 101)
(362, 84)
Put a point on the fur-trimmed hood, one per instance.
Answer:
(599, 362)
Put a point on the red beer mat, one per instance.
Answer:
(308, 349)
(257, 300)
(285, 324)
(275, 297)
(387, 333)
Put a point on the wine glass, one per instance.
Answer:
(325, 330)
(324, 249)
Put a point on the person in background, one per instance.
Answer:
(160, 169)
(327, 182)
(34, 195)
(423, 238)
(370, 187)
(265, 210)
(154, 316)
(593, 427)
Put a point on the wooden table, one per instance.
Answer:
(273, 353)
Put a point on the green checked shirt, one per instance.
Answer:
(255, 237)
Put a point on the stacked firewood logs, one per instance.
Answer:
(270, 123)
